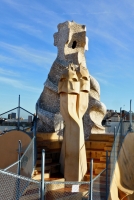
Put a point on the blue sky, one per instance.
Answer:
(27, 51)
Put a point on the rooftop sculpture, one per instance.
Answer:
(73, 88)
(71, 42)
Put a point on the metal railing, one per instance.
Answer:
(25, 165)
(95, 189)
(119, 136)
(16, 119)
(21, 188)
(17, 187)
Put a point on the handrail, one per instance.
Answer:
(8, 111)
(119, 141)
(27, 111)
(19, 176)
(16, 108)
(10, 166)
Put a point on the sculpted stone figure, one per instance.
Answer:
(71, 42)
(73, 88)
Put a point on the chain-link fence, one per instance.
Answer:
(115, 150)
(26, 162)
(57, 190)
(12, 168)
(99, 186)
(119, 135)
(14, 187)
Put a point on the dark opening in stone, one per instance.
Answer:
(74, 44)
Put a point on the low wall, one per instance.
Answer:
(122, 186)
(9, 146)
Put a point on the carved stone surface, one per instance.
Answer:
(73, 89)
(71, 42)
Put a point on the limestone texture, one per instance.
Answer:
(71, 42)
(73, 89)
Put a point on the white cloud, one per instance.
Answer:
(110, 38)
(18, 84)
(8, 72)
(30, 55)
(102, 80)
(29, 29)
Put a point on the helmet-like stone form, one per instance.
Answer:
(71, 42)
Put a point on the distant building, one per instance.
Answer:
(30, 118)
(112, 119)
(12, 116)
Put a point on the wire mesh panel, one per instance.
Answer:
(66, 190)
(17, 187)
(99, 186)
(115, 151)
(27, 160)
(12, 168)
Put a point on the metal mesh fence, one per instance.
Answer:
(115, 151)
(118, 139)
(66, 190)
(15, 187)
(99, 186)
(12, 168)
(27, 160)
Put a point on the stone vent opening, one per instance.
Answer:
(74, 44)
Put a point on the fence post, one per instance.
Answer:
(107, 163)
(130, 118)
(42, 175)
(19, 156)
(19, 113)
(121, 131)
(34, 135)
(19, 168)
(114, 143)
(91, 181)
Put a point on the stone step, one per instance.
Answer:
(111, 139)
(107, 148)
(52, 186)
(47, 160)
(101, 137)
(53, 167)
(101, 178)
(97, 144)
(99, 170)
(50, 144)
(95, 153)
(37, 176)
(49, 153)
(46, 143)
(103, 159)
(96, 164)
(48, 136)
